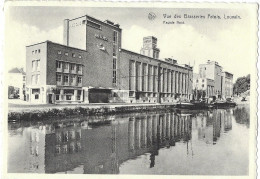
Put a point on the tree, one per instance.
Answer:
(242, 85)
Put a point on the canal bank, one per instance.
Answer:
(27, 112)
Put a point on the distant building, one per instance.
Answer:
(91, 67)
(223, 81)
(204, 85)
(17, 80)
(212, 70)
(227, 84)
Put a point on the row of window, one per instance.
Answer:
(68, 78)
(36, 51)
(67, 54)
(69, 66)
(198, 80)
(115, 43)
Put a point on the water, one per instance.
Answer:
(178, 143)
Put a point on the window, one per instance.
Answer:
(37, 79)
(34, 91)
(114, 77)
(68, 97)
(58, 78)
(114, 63)
(39, 50)
(69, 91)
(73, 79)
(80, 56)
(33, 65)
(33, 79)
(72, 67)
(36, 96)
(66, 53)
(78, 68)
(38, 65)
(79, 79)
(57, 91)
(59, 52)
(131, 94)
(114, 70)
(73, 55)
(114, 50)
(79, 95)
(35, 51)
(58, 64)
(23, 78)
(203, 80)
(202, 85)
(66, 79)
(115, 37)
(57, 97)
(66, 66)
(197, 81)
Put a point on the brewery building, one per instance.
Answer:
(92, 67)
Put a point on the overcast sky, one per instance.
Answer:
(228, 42)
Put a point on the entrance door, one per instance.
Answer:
(50, 98)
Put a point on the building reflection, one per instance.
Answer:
(210, 124)
(103, 147)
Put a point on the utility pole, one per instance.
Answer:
(159, 84)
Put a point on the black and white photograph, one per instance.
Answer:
(157, 89)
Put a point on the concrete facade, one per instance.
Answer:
(150, 80)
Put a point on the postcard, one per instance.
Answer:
(130, 89)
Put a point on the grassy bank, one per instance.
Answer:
(80, 111)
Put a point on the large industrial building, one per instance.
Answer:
(91, 67)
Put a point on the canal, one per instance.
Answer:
(211, 142)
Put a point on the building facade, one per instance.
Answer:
(54, 73)
(222, 81)
(212, 70)
(107, 73)
(204, 85)
(17, 81)
(227, 84)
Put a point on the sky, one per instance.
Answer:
(229, 42)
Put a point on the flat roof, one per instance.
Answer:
(86, 15)
(48, 41)
(159, 60)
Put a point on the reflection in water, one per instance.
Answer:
(85, 147)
